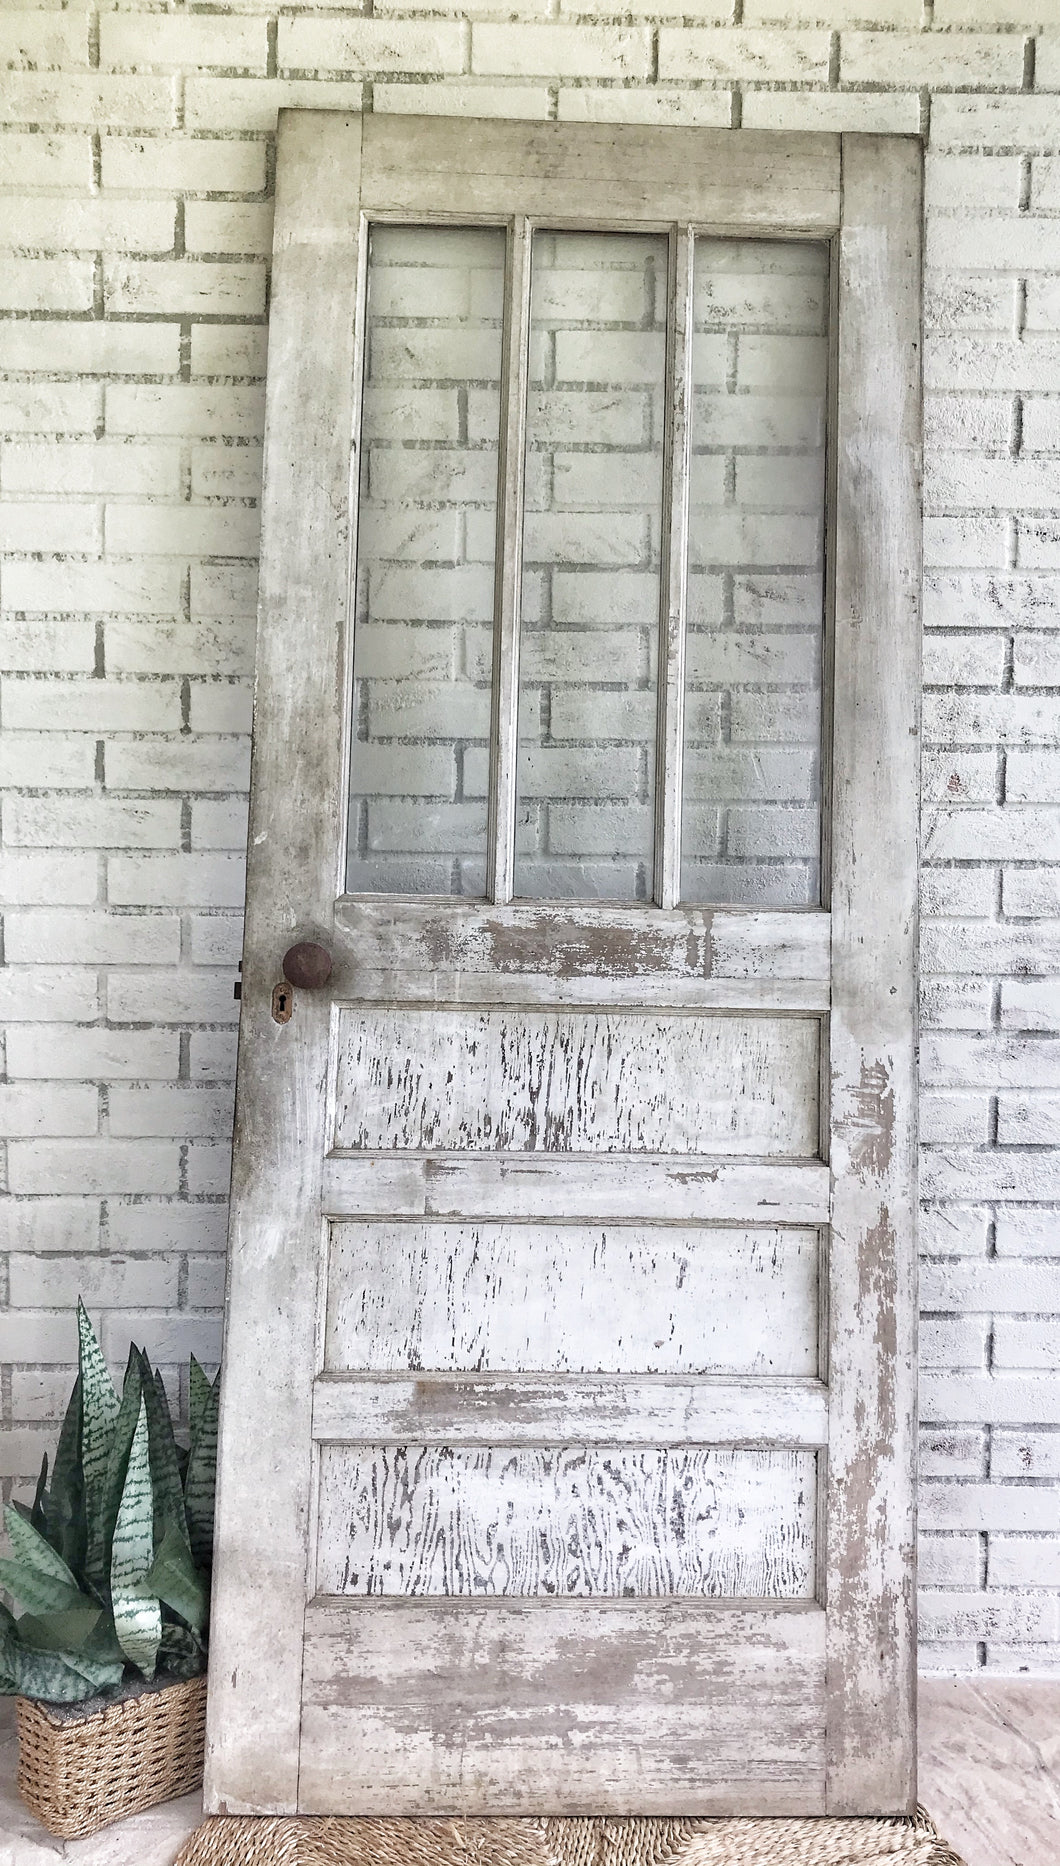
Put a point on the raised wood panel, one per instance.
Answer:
(668, 1707)
(500, 1186)
(572, 942)
(572, 1298)
(534, 1409)
(430, 1078)
(566, 1522)
(593, 172)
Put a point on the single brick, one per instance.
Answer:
(957, 1453)
(209, 1166)
(90, 467)
(185, 286)
(561, 51)
(184, 409)
(173, 647)
(1030, 1004)
(358, 46)
(92, 822)
(96, 349)
(101, 1281)
(985, 61)
(34, 39)
(46, 284)
(110, 225)
(212, 880)
(92, 705)
(165, 1111)
(44, 761)
(895, 113)
(30, 876)
(187, 165)
(236, 227)
(60, 1109)
(189, 763)
(97, 938)
(171, 997)
(1031, 891)
(37, 1053)
(92, 1166)
(512, 101)
(33, 159)
(195, 41)
(963, 181)
(693, 52)
(180, 530)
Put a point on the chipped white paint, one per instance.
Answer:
(432, 1520)
(558, 1082)
(572, 1298)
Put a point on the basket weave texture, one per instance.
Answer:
(79, 1774)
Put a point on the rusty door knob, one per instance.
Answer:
(307, 966)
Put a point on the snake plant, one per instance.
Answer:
(111, 1560)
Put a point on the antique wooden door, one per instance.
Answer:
(567, 1444)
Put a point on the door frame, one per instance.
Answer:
(864, 193)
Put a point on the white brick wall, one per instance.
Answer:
(136, 162)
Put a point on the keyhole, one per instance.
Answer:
(282, 1002)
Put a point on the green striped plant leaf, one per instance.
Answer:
(36, 1575)
(177, 1582)
(200, 1480)
(37, 1516)
(99, 1413)
(67, 1680)
(198, 1395)
(165, 1471)
(66, 1631)
(67, 1527)
(101, 1525)
(134, 1604)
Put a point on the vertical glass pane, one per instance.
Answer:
(586, 770)
(423, 647)
(752, 779)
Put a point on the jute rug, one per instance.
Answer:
(245, 1840)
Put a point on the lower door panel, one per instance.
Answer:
(469, 1707)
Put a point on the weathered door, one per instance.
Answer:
(567, 1444)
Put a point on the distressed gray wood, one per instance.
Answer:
(566, 1521)
(871, 1526)
(561, 940)
(640, 993)
(668, 1707)
(572, 1299)
(505, 1706)
(587, 173)
(536, 1408)
(508, 600)
(263, 1491)
(673, 594)
(430, 1078)
(381, 1185)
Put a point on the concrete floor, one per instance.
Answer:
(989, 1776)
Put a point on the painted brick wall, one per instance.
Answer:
(136, 161)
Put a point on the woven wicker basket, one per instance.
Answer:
(79, 1773)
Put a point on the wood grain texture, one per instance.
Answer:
(264, 1476)
(535, 1409)
(567, 940)
(582, 174)
(871, 1523)
(571, 1298)
(566, 1522)
(429, 1078)
(671, 1190)
(668, 1707)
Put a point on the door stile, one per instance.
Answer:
(674, 590)
(872, 1376)
(511, 470)
(262, 1548)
